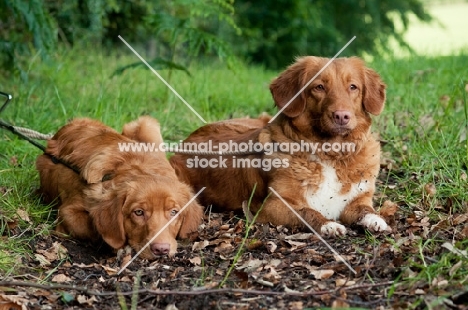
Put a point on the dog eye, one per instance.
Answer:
(174, 212)
(353, 87)
(319, 87)
(139, 212)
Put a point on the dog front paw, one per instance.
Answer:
(332, 229)
(374, 222)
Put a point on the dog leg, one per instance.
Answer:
(360, 212)
(75, 221)
(276, 212)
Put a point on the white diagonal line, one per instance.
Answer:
(163, 80)
(310, 227)
(160, 231)
(318, 73)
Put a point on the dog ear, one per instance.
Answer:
(108, 220)
(374, 92)
(100, 168)
(287, 85)
(193, 214)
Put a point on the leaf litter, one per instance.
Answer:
(279, 268)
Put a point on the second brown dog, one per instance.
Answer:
(322, 186)
(122, 196)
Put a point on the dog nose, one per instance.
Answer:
(160, 249)
(341, 117)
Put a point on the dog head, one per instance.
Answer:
(134, 196)
(337, 102)
(132, 209)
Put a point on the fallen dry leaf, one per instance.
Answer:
(61, 278)
(462, 218)
(13, 302)
(195, 260)
(56, 251)
(82, 299)
(339, 304)
(175, 273)
(419, 292)
(388, 210)
(464, 232)
(109, 270)
(197, 246)
(251, 265)
(248, 215)
(463, 176)
(454, 250)
(295, 245)
(288, 290)
(254, 244)
(455, 268)
(42, 260)
(442, 224)
(265, 283)
(126, 279)
(271, 246)
(272, 276)
(296, 305)
(440, 283)
(300, 236)
(239, 227)
(430, 189)
(273, 263)
(224, 248)
(322, 274)
(23, 214)
(344, 282)
(171, 307)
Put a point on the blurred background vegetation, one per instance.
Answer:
(175, 32)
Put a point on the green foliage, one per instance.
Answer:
(273, 32)
(101, 20)
(185, 29)
(24, 23)
(173, 31)
(178, 27)
(79, 19)
(190, 27)
(276, 31)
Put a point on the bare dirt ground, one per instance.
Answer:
(276, 268)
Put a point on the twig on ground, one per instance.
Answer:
(88, 291)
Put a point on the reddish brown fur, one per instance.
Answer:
(345, 90)
(102, 201)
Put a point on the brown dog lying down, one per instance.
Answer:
(123, 197)
(333, 183)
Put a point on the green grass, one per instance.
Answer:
(423, 132)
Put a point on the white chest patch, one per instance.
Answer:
(327, 198)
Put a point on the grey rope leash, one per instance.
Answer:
(32, 133)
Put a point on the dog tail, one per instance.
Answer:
(145, 129)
